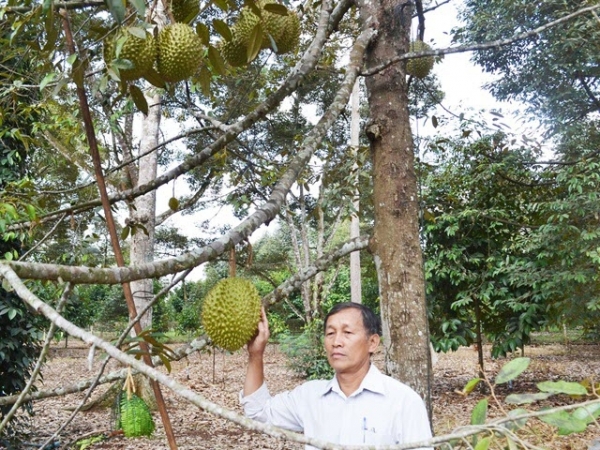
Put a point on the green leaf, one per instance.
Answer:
(255, 42)
(153, 77)
(512, 370)
(512, 445)
(138, 98)
(483, 444)
(479, 413)
(517, 423)
(117, 9)
(125, 232)
(216, 61)
(221, 4)
(472, 384)
(140, 6)
(47, 79)
(204, 78)
(276, 8)
(562, 387)
(12, 313)
(137, 32)
(222, 28)
(565, 422)
(587, 413)
(204, 33)
(520, 399)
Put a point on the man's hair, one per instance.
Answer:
(371, 321)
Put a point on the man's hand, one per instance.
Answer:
(257, 345)
(256, 350)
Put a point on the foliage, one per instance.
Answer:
(514, 429)
(306, 353)
(553, 72)
(20, 338)
(475, 208)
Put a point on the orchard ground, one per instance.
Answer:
(219, 377)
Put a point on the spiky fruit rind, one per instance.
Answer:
(141, 52)
(234, 52)
(290, 38)
(135, 417)
(273, 25)
(231, 312)
(180, 52)
(185, 10)
(419, 67)
(244, 26)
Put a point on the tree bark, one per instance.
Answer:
(355, 274)
(144, 213)
(395, 244)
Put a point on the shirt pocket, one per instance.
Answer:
(373, 436)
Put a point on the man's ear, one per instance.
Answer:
(374, 340)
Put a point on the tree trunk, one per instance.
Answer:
(355, 275)
(144, 213)
(395, 244)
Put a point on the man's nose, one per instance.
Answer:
(337, 340)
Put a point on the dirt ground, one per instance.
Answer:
(219, 378)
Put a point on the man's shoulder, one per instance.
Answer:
(396, 387)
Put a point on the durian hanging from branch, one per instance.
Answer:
(261, 25)
(135, 418)
(419, 67)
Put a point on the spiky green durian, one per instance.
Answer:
(419, 67)
(274, 25)
(135, 417)
(234, 52)
(180, 52)
(290, 38)
(231, 312)
(185, 11)
(140, 52)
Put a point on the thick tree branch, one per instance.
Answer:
(484, 46)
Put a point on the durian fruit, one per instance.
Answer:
(185, 11)
(273, 25)
(135, 417)
(180, 52)
(234, 52)
(231, 312)
(282, 30)
(139, 51)
(419, 67)
(290, 38)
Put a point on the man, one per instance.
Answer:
(358, 406)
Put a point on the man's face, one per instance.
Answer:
(346, 342)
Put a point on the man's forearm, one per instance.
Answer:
(255, 376)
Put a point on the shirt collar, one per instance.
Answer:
(372, 382)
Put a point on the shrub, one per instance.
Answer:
(306, 353)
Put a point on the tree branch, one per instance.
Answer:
(484, 46)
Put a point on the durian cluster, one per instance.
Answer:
(419, 67)
(276, 31)
(231, 312)
(176, 53)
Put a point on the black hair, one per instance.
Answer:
(371, 321)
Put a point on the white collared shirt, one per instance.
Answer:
(382, 411)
